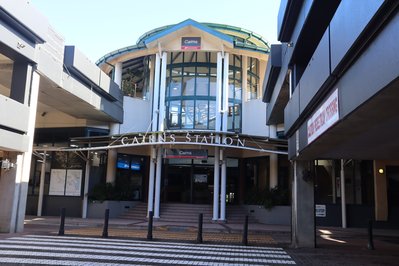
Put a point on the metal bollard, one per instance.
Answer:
(150, 217)
(62, 223)
(199, 233)
(106, 219)
(370, 244)
(245, 232)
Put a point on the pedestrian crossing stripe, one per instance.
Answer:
(50, 250)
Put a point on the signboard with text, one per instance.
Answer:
(324, 117)
(186, 154)
(191, 43)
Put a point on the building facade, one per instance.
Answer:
(333, 83)
(187, 125)
(193, 117)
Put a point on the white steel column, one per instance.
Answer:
(118, 74)
(86, 185)
(41, 186)
(27, 156)
(223, 187)
(155, 95)
(343, 198)
(162, 92)
(151, 184)
(225, 100)
(216, 178)
(219, 68)
(158, 183)
(273, 161)
(244, 78)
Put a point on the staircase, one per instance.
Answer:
(188, 213)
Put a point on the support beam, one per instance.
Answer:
(86, 185)
(216, 178)
(343, 196)
(219, 68)
(41, 185)
(151, 182)
(158, 184)
(303, 216)
(223, 187)
(380, 191)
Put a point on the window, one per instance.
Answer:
(252, 78)
(191, 90)
(135, 77)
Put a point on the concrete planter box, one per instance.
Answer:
(278, 215)
(96, 209)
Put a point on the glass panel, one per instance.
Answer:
(174, 111)
(202, 86)
(238, 75)
(230, 117)
(189, 71)
(175, 87)
(203, 71)
(212, 114)
(203, 57)
(237, 117)
(201, 114)
(188, 86)
(212, 91)
(177, 57)
(231, 89)
(238, 90)
(190, 57)
(187, 114)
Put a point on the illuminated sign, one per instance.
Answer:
(191, 43)
(186, 154)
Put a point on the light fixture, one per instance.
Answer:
(381, 170)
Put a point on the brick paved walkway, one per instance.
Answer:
(188, 235)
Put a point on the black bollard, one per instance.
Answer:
(149, 233)
(245, 232)
(370, 245)
(62, 223)
(199, 233)
(105, 228)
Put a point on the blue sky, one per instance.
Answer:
(98, 27)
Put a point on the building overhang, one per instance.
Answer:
(176, 139)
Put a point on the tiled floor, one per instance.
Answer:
(69, 250)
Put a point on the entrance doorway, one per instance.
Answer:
(188, 184)
(191, 181)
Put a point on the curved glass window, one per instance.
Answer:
(191, 91)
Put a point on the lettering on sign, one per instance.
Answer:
(326, 116)
(187, 138)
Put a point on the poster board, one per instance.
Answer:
(73, 182)
(57, 182)
(65, 182)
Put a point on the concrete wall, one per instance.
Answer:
(254, 118)
(279, 215)
(97, 209)
(137, 115)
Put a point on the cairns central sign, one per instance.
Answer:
(187, 138)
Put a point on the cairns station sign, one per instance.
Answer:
(181, 138)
